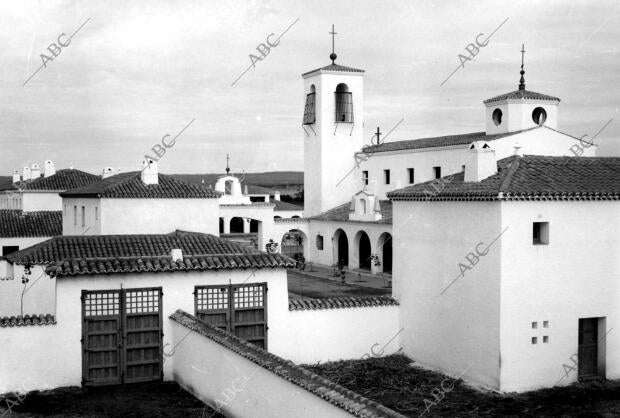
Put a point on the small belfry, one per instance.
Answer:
(520, 109)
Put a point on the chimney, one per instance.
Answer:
(48, 168)
(149, 172)
(276, 195)
(26, 174)
(481, 162)
(517, 148)
(16, 176)
(35, 171)
(107, 172)
(176, 254)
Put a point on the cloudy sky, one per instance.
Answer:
(139, 70)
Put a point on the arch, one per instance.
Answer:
(364, 252)
(344, 104)
(253, 226)
(312, 88)
(539, 116)
(236, 225)
(342, 88)
(341, 247)
(384, 245)
(228, 186)
(294, 243)
(295, 217)
(277, 217)
(497, 117)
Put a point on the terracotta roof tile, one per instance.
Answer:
(130, 186)
(22, 321)
(436, 141)
(341, 213)
(64, 179)
(109, 254)
(17, 223)
(528, 177)
(340, 303)
(331, 392)
(521, 94)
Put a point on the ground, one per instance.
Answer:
(393, 382)
(312, 285)
(135, 400)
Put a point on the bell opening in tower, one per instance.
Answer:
(344, 104)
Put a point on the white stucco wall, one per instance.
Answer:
(328, 150)
(72, 225)
(457, 331)
(44, 357)
(38, 294)
(341, 334)
(517, 115)
(142, 216)
(35, 200)
(21, 242)
(237, 387)
(575, 276)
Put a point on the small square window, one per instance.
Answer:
(540, 233)
(545, 339)
(437, 171)
(545, 324)
(534, 340)
(534, 325)
(387, 176)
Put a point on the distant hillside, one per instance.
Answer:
(6, 182)
(271, 180)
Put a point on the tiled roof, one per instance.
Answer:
(341, 213)
(64, 179)
(130, 186)
(339, 303)
(17, 223)
(331, 392)
(108, 254)
(280, 205)
(335, 67)
(521, 94)
(436, 141)
(22, 321)
(529, 177)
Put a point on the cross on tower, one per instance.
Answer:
(522, 81)
(333, 55)
(227, 168)
(378, 133)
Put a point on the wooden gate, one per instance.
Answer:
(238, 309)
(121, 336)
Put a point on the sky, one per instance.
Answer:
(137, 71)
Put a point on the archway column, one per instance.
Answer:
(246, 225)
(227, 224)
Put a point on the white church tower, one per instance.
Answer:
(333, 124)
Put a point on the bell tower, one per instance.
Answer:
(333, 131)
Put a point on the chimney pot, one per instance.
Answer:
(16, 176)
(176, 254)
(48, 168)
(149, 174)
(481, 162)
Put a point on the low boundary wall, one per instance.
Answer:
(241, 380)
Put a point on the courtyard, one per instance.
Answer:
(321, 283)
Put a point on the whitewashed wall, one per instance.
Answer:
(340, 334)
(575, 276)
(238, 387)
(34, 201)
(21, 242)
(35, 297)
(459, 329)
(45, 357)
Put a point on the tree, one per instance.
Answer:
(271, 247)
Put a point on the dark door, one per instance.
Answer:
(238, 309)
(588, 348)
(387, 255)
(343, 249)
(121, 336)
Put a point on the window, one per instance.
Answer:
(540, 233)
(386, 174)
(497, 117)
(96, 213)
(534, 340)
(309, 115)
(365, 177)
(539, 116)
(8, 249)
(319, 242)
(83, 216)
(437, 171)
(411, 175)
(545, 339)
(344, 104)
(228, 184)
(545, 324)
(75, 216)
(534, 325)
(363, 206)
